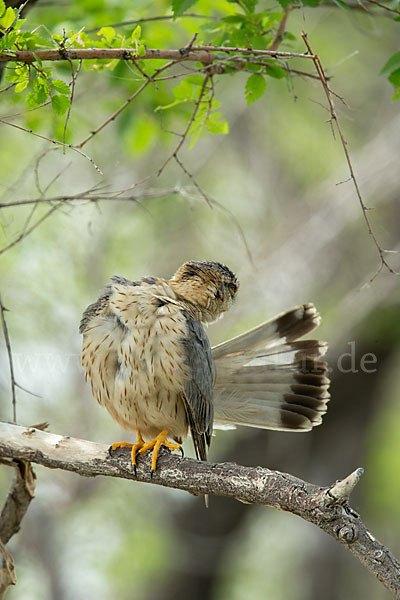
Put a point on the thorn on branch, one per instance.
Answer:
(342, 489)
(186, 49)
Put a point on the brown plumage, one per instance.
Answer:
(149, 361)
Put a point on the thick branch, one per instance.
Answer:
(18, 500)
(15, 507)
(252, 485)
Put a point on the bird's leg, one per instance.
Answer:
(155, 445)
(135, 447)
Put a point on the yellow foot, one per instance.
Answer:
(135, 447)
(155, 445)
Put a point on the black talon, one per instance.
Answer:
(134, 470)
(151, 474)
(182, 452)
(110, 450)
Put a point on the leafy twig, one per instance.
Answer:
(56, 142)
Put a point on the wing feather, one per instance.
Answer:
(199, 386)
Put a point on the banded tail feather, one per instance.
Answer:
(268, 378)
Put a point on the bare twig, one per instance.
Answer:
(124, 105)
(139, 68)
(26, 232)
(188, 126)
(281, 31)
(251, 485)
(55, 142)
(91, 196)
(10, 362)
(74, 75)
(334, 120)
(384, 6)
(148, 19)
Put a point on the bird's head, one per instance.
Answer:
(210, 286)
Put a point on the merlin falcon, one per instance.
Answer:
(150, 363)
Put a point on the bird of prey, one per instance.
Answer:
(149, 361)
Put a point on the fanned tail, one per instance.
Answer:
(267, 378)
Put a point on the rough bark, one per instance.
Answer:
(327, 508)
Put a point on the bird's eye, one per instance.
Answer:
(232, 289)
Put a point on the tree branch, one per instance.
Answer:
(327, 508)
(203, 54)
(15, 507)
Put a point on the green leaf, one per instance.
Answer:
(60, 103)
(195, 79)
(60, 86)
(37, 96)
(180, 6)
(342, 4)
(41, 41)
(8, 18)
(184, 90)
(312, 3)
(215, 125)
(40, 92)
(392, 64)
(275, 71)
(394, 78)
(141, 50)
(255, 87)
(396, 96)
(2, 7)
(167, 106)
(234, 19)
(136, 33)
(284, 3)
(108, 33)
(21, 86)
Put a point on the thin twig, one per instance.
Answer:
(188, 126)
(91, 197)
(148, 19)
(334, 119)
(123, 106)
(214, 203)
(10, 361)
(139, 68)
(72, 84)
(56, 142)
(24, 234)
(392, 10)
(281, 31)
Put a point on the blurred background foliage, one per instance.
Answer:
(280, 220)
